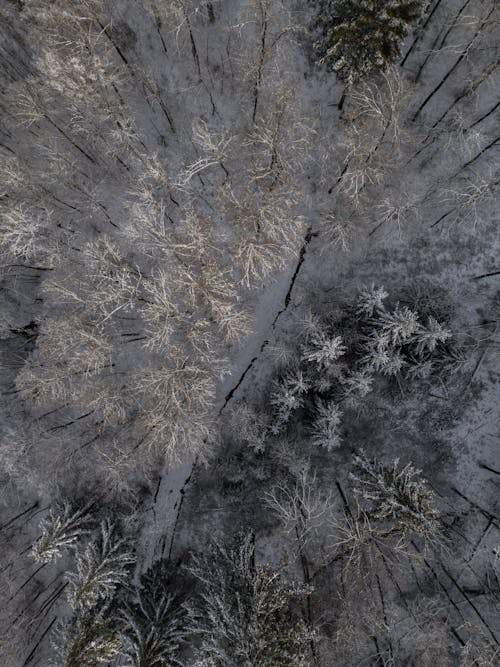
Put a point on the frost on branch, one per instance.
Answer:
(325, 430)
(100, 569)
(60, 530)
(88, 640)
(370, 299)
(301, 507)
(360, 37)
(23, 230)
(323, 350)
(245, 615)
(396, 494)
(288, 396)
(154, 623)
(250, 426)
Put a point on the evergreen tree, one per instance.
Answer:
(325, 429)
(102, 567)
(381, 356)
(395, 338)
(288, 396)
(245, 617)
(399, 325)
(356, 386)
(393, 494)
(370, 300)
(428, 338)
(154, 623)
(323, 349)
(88, 640)
(62, 528)
(360, 37)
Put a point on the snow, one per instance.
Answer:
(391, 234)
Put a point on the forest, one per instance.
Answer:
(249, 301)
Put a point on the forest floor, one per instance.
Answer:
(448, 428)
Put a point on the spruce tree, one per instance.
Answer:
(360, 37)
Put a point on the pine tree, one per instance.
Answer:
(325, 428)
(370, 300)
(100, 569)
(356, 386)
(396, 338)
(244, 616)
(382, 356)
(323, 350)
(399, 325)
(88, 640)
(361, 37)
(288, 396)
(61, 529)
(393, 494)
(154, 624)
(428, 337)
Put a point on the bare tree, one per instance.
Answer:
(302, 508)
(470, 197)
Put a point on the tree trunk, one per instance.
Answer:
(211, 13)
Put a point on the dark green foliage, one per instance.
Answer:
(396, 494)
(245, 614)
(89, 639)
(154, 625)
(360, 37)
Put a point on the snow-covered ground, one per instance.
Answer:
(400, 190)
